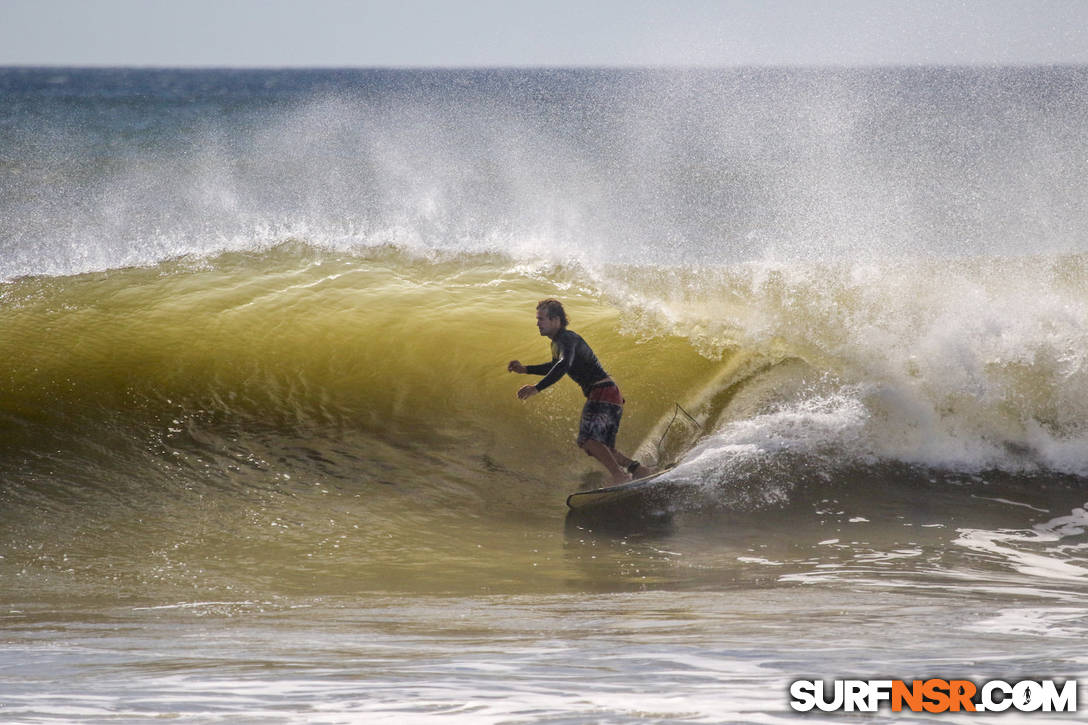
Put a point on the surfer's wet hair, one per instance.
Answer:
(554, 308)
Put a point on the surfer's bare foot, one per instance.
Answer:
(622, 478)
(644, 471)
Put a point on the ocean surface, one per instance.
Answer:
(261, 460)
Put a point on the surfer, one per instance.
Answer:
(604, 403)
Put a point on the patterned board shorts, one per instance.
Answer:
(601, 415)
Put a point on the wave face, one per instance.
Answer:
(256, 303)
(959, 365)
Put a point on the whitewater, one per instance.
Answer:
(261, 459)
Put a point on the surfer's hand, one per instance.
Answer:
(515, 366)
(527, 391)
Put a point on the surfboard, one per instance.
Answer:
(638, 490)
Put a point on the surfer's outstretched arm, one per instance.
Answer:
(560, 364)
(526, 391)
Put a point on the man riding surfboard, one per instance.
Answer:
(604, 404)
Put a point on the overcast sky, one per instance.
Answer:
(414, 33)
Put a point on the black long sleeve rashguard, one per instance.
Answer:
(571, 355)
